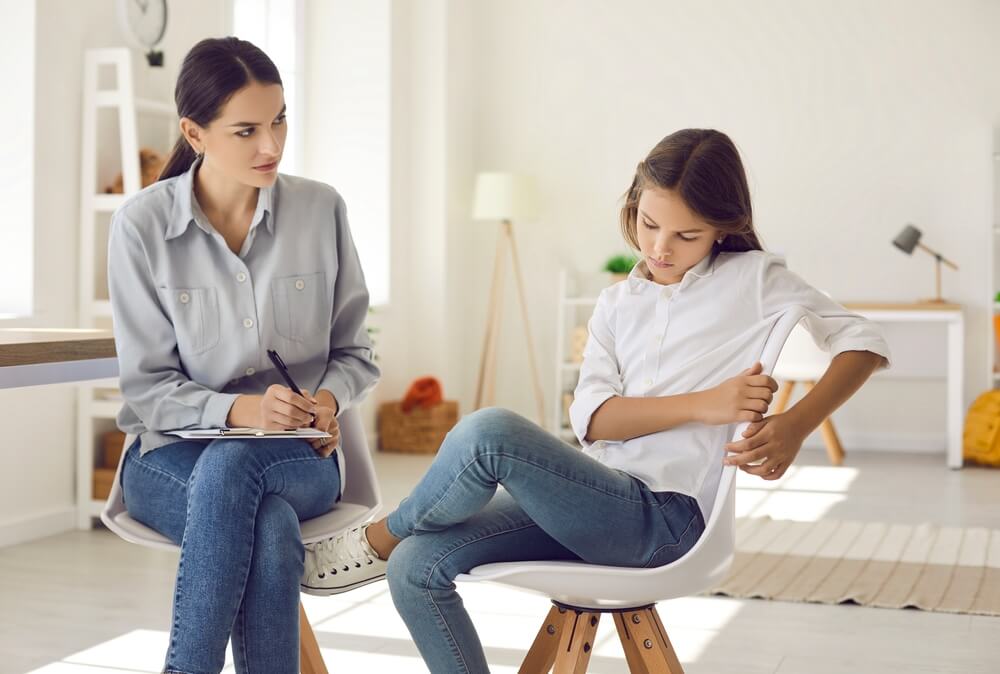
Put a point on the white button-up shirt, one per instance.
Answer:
(647, 339)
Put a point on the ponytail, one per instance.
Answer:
(181, 159)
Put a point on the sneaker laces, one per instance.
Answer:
(344, 552)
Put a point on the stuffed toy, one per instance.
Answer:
(424, 392)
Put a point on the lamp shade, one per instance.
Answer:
(907, 239)
(503, 196)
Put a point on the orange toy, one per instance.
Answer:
(424, 392)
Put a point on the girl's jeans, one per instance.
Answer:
(558, 503)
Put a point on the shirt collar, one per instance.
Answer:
(637, 278)
(186, 210)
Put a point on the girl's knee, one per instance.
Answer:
(483, 427)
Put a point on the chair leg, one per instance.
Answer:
(644, 633)
(784, 395)
(833, 447)
(577, 642)
(542, 653)
(310, 660)
(632, 655)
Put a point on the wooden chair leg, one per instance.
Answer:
(577, 642)
(834, 449)
(651, 641)
(543, 649)
(310, 660)
(780, 401)
(630, 646)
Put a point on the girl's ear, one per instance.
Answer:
(193, 134)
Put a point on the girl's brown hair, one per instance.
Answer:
(704, 168)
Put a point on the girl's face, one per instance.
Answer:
(246, 140)
(672, 239)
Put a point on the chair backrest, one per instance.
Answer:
(801, 359)
(361, 492)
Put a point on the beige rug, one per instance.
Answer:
(928, 567)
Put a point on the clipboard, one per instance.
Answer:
(249, 433)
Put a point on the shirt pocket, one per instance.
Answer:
(300, 306)
(194, 313)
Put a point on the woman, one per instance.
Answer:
(210, 267)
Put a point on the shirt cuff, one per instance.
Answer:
(339, 391)
(583, 408)
(877, 347)
(216, 410)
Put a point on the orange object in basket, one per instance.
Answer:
(424, 392)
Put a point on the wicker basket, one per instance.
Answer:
(420, 431)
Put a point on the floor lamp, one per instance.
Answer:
(503, 197)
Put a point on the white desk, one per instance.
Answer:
(951, 315)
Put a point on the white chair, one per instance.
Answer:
(801, 361)
(359, 503)
(581, 592)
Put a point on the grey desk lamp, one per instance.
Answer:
(908, 239)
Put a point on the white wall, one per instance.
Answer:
(853, 119)
(38, 494)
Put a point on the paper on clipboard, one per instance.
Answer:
(249, 433)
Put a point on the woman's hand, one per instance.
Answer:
(326, 420)
(768, 448)
(744, 397)
(281, 408)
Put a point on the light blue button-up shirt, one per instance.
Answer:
(193, 321)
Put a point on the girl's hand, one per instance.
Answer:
(768, 448)
(326, 420)
(282, 408)
(745, 397)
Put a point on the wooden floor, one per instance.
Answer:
(86, 602)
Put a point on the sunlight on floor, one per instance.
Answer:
(804, 493)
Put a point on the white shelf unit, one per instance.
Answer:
(98, 402)
(993, 248)
(573, 311)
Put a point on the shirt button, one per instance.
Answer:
(300, 284)
(250, 371)
(185, 298)
(247, 322)
(241, 277)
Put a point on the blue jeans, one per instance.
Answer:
(234, 507)
(558, 503)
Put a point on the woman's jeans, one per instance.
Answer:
(558, 503)
(234, 507)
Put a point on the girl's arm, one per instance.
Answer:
(773, 443)
(744, 397)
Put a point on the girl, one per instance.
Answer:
(218, 262)
(667, 370)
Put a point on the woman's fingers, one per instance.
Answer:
(290, 397)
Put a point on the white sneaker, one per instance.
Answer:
(340, 564)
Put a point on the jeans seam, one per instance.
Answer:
(159, 471)
(680, 538)
(468, 465)
(430, 572)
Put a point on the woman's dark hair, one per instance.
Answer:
(214, 70)
(704, 168)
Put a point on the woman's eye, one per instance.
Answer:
(279, 121)
(649, 226)
(684, 238)
(245, 133)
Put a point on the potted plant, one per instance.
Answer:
(619, 266)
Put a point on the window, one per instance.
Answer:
(333, 56)
(17, 159)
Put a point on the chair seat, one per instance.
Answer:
(342, 517)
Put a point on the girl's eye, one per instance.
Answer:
(648, 226)
(685, 238)
(245, 133)
(279, 121)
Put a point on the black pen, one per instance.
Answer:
(283, 371)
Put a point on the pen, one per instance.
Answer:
(283, 371)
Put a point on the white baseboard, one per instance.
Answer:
(37, 526)
(925, 443)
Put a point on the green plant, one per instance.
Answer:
(620, 264)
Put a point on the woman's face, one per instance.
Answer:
(246, 140)
(672, 239)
